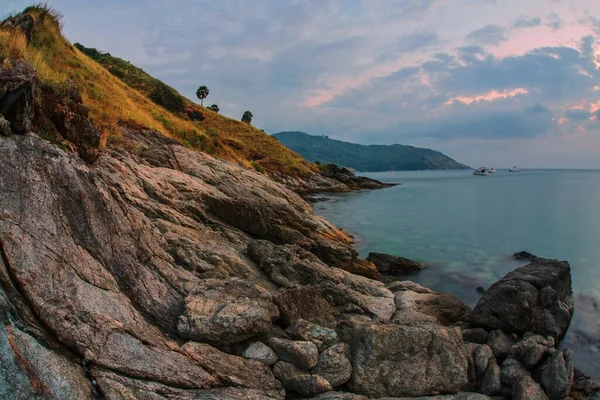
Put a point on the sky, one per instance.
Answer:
(488, 82)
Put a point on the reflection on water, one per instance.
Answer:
(466, 227)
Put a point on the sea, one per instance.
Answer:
(465, 228)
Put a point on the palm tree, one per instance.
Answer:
(202, 93)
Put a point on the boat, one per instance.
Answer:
(491, 170)
(514, 169)
(481, 171)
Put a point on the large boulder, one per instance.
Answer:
(393, 265)
(17, 91)
(334, 364)
(535, 298)
(528, 389)
(531, 350)
(418, 306)
(556, 374)
(304, 303)
(226, 311)
(395, 361)
(300, 353)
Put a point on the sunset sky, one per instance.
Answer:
(488, 82)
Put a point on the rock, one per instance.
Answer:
(418, 307)
(556, 374)
(476, 335)
(226, 312)
(307, 385)
(531, 349)
(284, 370)
(535, 298)
(334, 365)
(235, 371)
(4, 126)
(339, 396)
(392, 265)
(70, 117)
(25, 22)
(500, 343)
(524, 255)
(583, 386)
(308, 331)
(291, 266)
(390, 360)
(512, 371)
(527, 389)
(17, 90)
(116, 387)
(302, 354)
(490, 384)
(304, 303)
(260, 352)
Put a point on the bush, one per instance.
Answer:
(166, 97)
(257, 167)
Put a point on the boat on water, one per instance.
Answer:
(491, 170)
(481, 171)
(514, 169)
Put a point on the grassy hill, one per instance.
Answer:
(366, 158)
(120, 94)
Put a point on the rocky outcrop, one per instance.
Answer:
(226, 312)
(392, 265)
(17, 90)
(396, 361)
(535, 298)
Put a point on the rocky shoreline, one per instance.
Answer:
(155, 272)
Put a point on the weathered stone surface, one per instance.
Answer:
(490, 383)
(226, 311)
(556, 374)
(512, 372)
(64, 109)
(583, 386)
(531, 349)
(527, 389)
(290, 266)
(500, 343)
(302, 354)
(457, 396)
(308, 331)
(334, 364)
(339, 396)
(260, 352)
(483, 371)
(475, 335)
(116, 387)
(536, 298)
(307, 385)
(419, 306)
(304, 303)
(390, 360)
(17, 90)
(284, 370)
(4, 126)
(235, 371)
(392, 265)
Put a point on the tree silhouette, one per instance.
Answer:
(247, 117)
(202, 93)
(214, 107)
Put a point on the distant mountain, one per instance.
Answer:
(371, 158)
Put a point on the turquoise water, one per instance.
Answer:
(465, 228)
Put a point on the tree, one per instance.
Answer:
(247, 117)
(214, 107)
(202, 93)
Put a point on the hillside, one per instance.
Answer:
(371, 158)
(119, 94)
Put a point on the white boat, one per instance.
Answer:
(491, 170)
(481, 171)
(514, 169)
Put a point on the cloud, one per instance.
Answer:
(524, 21)
(489, 34)
(577, 114)
(554, 21)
